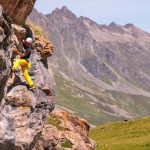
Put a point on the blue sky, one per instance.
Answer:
(104, 11)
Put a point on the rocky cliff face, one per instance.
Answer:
(18, 10)
(106, 66)
(24, 112)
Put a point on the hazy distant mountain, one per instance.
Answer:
(105, 67)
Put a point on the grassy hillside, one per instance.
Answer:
(96, 106)
(76, 100)
(132, 135)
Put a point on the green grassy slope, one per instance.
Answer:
(132, 135)
(76, 100)
(83, 103)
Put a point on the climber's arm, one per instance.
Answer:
(19, 53)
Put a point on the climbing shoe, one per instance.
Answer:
(33, 87)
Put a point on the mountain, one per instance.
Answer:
(132, 135)
(101, 72)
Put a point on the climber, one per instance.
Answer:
(23, 61)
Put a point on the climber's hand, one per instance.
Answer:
(15, 50)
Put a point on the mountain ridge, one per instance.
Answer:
(99, 58)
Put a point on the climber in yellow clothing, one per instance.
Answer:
(23, 61)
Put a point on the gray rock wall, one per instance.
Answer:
(23, 112)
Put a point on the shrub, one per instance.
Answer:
(36, 29)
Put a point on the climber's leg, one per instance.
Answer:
(26, 75)
(16, 64)
(11, 78)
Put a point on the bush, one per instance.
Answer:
(36, 29)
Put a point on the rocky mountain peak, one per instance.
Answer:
(65, 9)
(64, 12)
(129, 25)
(113, 24)
(116, 28)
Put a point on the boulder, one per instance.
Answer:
(18, 10)
(43, 46)
(65, 131)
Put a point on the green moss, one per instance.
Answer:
(67, 144)
(55, 121)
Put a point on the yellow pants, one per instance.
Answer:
(25, 65)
